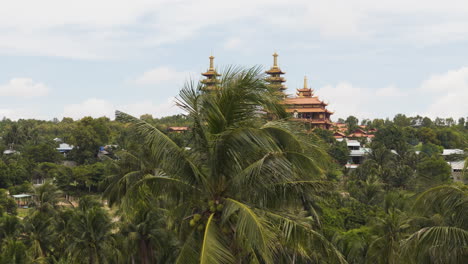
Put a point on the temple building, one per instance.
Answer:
(211, 82)
(307, 108)
(304, 107)
(274, 79)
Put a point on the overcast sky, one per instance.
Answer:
(366, 58)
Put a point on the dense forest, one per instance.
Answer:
(243, 185)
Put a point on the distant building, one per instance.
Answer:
(10, 152)
(448, 152)
(359, 133)
(211, 82)
(65, 148)
(178, 129)
(457, 170)
(339, 134)
(341, 129)
(357, 154)
(304, 107)
(274, 79)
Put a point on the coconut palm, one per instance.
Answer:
(392, 228)
(145, 236)
(90, 237)
(39, 231)
(239, 193)
(446, 240)
(12, 250)
(46, 197)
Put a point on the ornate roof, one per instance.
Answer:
(275, 69)
(303, 101)
(211, 71)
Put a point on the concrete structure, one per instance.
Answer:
(357, 154)
(458, 171)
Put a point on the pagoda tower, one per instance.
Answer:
(309, 109)
(275, 80)
(211, 82)
(305, 92)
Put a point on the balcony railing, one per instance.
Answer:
(312, 119)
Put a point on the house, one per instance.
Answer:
(458, 171)
(64, 148)
(357, 153)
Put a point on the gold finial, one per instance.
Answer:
(275, 60)
(305, 82)
(211, 63)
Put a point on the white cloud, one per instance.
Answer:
(345, 99)
(21, 113)
(233, 43)
(98, 107)
(96, 29)
(91, 107)
(164, 109)
(23, 87)
(449, 93)
(390, 91)
(161, 74)
(442, 95)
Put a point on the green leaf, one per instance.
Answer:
(214, 249)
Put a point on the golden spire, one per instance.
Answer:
(305, 82)
(211, 63)
(275, 60)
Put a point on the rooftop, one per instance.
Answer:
(452, 152)
(303, 100)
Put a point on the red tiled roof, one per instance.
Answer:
(303, 100)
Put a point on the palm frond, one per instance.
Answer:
(442, 244)
(214, 249)
(172, 158)
(189, 252)
(251, 229)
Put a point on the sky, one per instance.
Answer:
(367, 58)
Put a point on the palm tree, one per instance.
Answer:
(239, 193)
(145, 235)
(392, 228)
(90, 236)
(46, 197)
(446, 240)
(12, 250)
(40, 235)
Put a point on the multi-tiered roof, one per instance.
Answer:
(306, 107)
(274, 79)
(211, 82)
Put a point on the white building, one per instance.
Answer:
(64, 148)
(457, 170)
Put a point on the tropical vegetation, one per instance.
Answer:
(243, 185)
